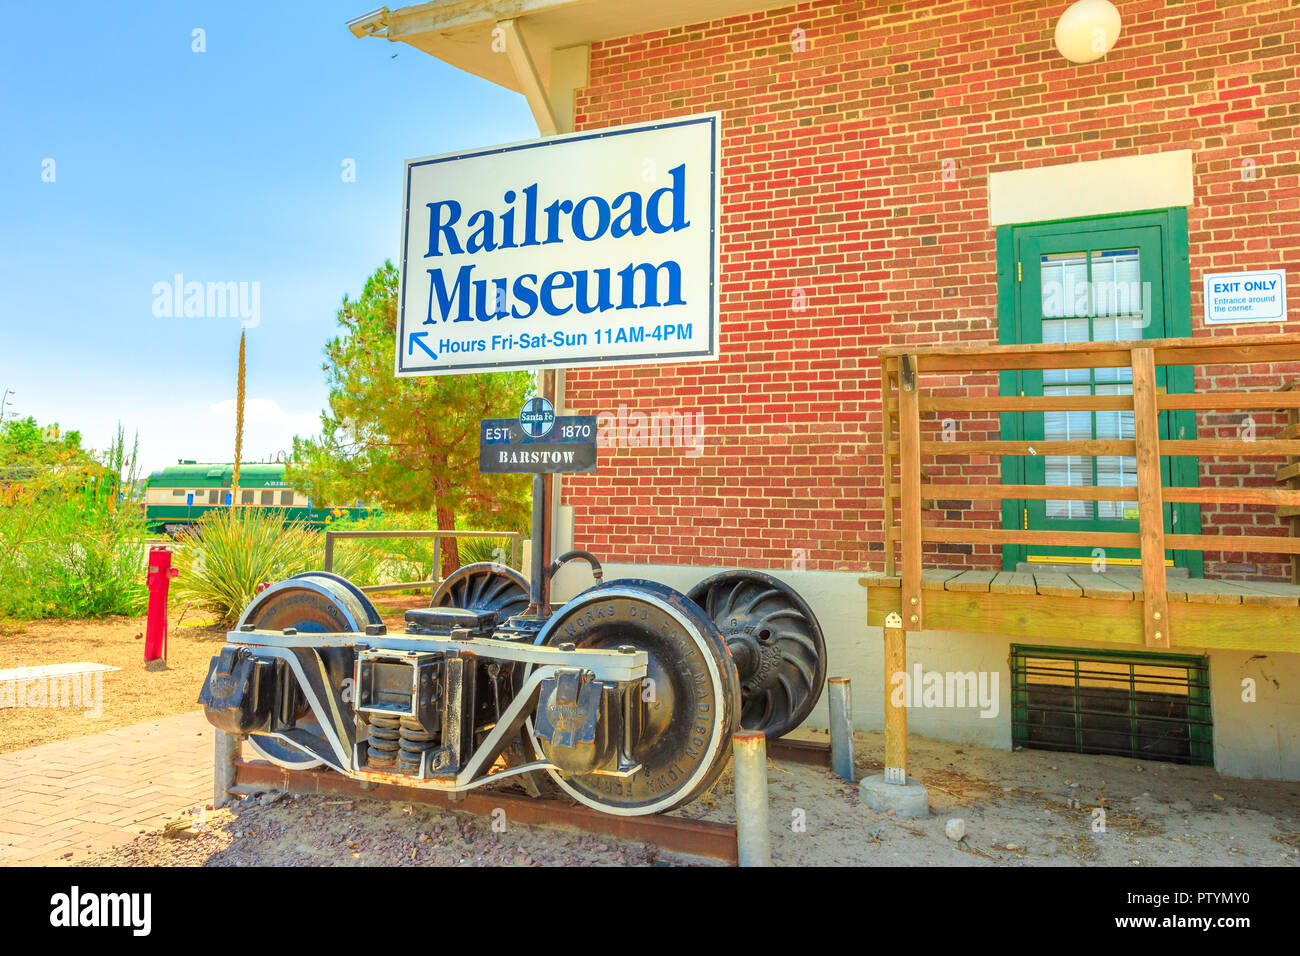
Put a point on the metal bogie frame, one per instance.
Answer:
(626, 697)
(343, 731)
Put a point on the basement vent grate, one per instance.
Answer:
(1151, 706)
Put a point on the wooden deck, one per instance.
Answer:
(1149, 608)
(1106, 607)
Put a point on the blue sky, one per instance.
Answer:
(222, 166)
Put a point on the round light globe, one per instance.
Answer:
(1087, 30)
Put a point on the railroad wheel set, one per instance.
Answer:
(625, 698)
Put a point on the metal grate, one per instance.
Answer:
(1152, 706)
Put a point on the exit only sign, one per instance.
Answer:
(1233, 298)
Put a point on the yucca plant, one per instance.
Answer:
(231, 552)
(473, 550)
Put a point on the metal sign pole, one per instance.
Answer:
(548, 487)
(540, 588)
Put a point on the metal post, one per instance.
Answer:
(329, 550)
(437, 560)
(547, 548)
(842, 728)
(749, 754)
(535, 594)
(226, 751)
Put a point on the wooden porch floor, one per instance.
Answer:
(1106, 607)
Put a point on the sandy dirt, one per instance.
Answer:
(132, 694)
(1019, 808)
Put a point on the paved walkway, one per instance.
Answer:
(88, 794)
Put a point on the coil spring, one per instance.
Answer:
(415, 740)
(384, 734)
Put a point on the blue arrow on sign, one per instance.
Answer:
(417, 338)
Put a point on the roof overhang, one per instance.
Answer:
(505, 40)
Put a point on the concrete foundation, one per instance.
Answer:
(906, 800)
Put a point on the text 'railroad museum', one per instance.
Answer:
(932, 196)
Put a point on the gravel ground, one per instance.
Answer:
(1018, 808)
(287, 830)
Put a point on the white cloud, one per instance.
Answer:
(263, 411)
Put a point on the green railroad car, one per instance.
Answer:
(179, 496)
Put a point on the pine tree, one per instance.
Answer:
(408, 444)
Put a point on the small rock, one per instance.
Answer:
(955, 829)
(1013, 846)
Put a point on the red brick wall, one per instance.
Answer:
(833, 158)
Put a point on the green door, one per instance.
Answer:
(1101, 280)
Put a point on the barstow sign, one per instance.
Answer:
(538, 442)
(594, 248)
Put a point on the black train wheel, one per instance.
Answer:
(693, 703)
(484, 587)
(316, 602)
(776, 642)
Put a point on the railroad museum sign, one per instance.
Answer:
(595, 248)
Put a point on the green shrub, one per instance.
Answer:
(71, 539)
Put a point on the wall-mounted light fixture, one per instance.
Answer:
(1087, 30)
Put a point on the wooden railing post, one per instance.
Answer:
(895, 713)
(1151, 512)
(909, 441)
(887, 461)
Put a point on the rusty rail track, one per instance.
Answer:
(700, 838)
(815, 753)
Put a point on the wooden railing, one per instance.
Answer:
(903, 403)
(1289, 475)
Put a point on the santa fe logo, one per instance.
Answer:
(537, 417)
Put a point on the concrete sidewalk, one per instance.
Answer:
(84, 795)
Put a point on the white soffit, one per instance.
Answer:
(1095, 188)
(459, 32)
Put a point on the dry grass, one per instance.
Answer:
(962, 787)
(131, 695)
(1080, 813)
(1289, 838)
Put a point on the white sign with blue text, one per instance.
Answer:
(592, 248)
(1242, 297)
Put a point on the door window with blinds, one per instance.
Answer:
(1109, 279)
(1091, 297)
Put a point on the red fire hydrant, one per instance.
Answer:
(159, 579)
